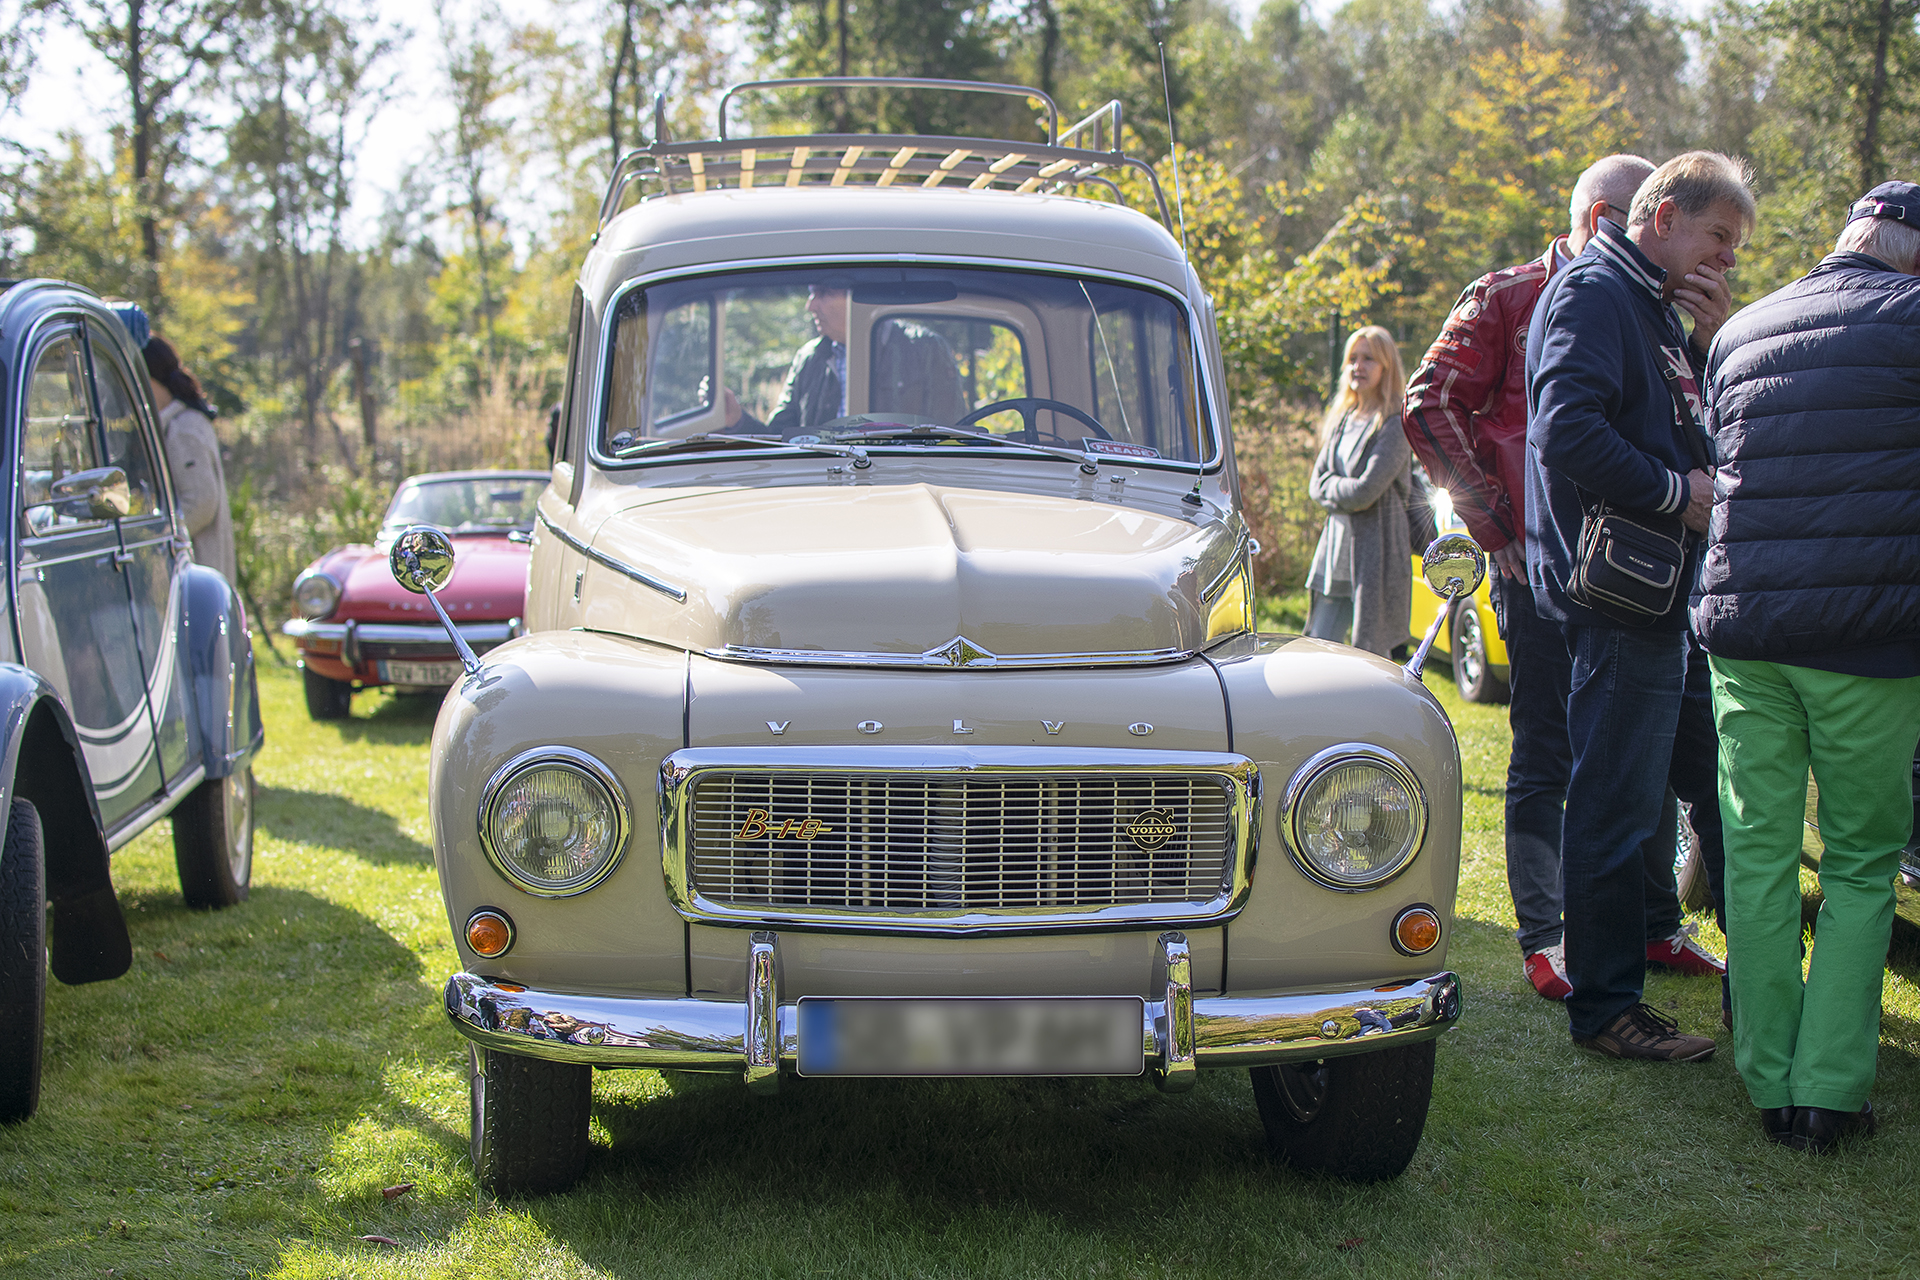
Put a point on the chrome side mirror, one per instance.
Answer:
(103, 489)
(422, 561)
(1454, 566)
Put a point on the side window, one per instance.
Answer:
(574, 394)
(127, 445)
(682, 381)
(59, 438)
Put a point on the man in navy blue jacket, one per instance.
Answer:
(1810, 605)
(1603, 425)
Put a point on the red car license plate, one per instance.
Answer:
(432, 673)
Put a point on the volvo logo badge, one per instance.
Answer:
(1153, 828)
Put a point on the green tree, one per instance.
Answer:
(166, 53)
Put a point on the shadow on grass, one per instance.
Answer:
(336, 822)
(400, 719)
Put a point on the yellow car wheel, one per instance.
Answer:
(1477, 680)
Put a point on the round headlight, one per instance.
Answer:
(1355, 817)
(554, 822)
(315, 594)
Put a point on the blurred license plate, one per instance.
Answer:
(1080, 1036)
(419, 672)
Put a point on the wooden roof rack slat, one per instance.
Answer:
(1063, 164)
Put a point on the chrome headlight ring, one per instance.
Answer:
(316, 594)
(1316, 767)
(599, 783)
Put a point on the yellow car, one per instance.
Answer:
(1470, 641)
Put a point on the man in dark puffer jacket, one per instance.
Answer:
(1810, 607)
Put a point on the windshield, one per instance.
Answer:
(819, 354)
(474, 504)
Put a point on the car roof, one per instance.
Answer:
(734, 228)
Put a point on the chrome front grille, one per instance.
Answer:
(965, 848)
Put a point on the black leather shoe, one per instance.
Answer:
(1817, 1129)
(1777, 1122)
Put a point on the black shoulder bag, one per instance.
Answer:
(1628, 566)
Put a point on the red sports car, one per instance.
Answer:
(362, 629)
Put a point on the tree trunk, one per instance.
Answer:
(363, 357)
(142, 145)
(840, 123)
(1869, 148)
(619, 69)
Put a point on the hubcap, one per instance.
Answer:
(1473, 646)
(1303, 1089)
(238, 797)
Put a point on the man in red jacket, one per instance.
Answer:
(1466, 418)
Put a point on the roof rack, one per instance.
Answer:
(666, 167)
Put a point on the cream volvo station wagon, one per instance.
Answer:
(891, 703)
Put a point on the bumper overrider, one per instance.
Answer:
(759, 1035)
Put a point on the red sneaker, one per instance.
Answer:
(1683, 953)
(1546, 969)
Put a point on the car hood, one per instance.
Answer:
(904, 572)
(489, 584)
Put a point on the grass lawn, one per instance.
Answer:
(236, 1103)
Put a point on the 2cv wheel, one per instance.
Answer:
(1358, 1117)
(529, 1122)
(23, 962)
(213, 840)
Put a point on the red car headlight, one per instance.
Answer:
(315, 594)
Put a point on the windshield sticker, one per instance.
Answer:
(1118, 448)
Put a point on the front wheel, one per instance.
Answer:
(213, 840)
(23, 962)
(1358, 1117)
(327, 698)
(529, 1122)
(1471, 671)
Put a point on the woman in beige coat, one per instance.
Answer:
(193, 457)
(1362, 576)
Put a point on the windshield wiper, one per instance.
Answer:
(1088, 462)
(860, 459)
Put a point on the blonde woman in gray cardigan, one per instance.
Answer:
(1362, 579)
(193, 457)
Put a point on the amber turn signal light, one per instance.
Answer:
(489, 932)
(1416, 930)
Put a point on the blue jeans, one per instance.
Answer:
(1539, 673)
(1623, 709)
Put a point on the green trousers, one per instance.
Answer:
(1811, 1043)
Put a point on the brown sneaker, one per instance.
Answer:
(1645, 1032)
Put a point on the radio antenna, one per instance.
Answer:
(1173, 144)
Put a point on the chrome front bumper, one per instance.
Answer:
(760, 1035)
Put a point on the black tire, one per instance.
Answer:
(213, 840)
(23, 962)
(327, 699)
(1690, 881)
(1358, 1117)
(1467, 643)
(529, 1122)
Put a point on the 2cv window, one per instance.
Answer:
(814, 353)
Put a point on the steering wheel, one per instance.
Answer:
(1027, 407)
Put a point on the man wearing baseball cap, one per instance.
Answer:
(1809, 604)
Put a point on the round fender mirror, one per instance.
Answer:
(422, 558)
(1454, 565)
